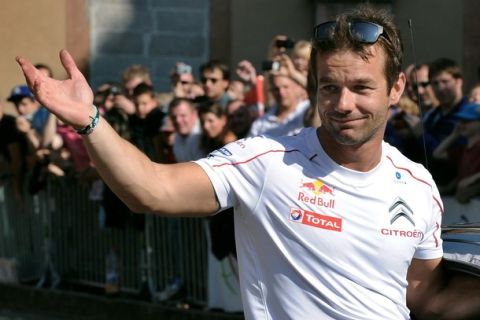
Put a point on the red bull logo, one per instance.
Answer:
(314, 192)
(317, 187)
(316, 220)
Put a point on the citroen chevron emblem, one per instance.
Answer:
(400, 209)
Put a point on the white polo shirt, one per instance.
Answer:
(319, 241)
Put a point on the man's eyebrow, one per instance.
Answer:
(327, 79)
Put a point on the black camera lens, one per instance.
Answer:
(287, 43)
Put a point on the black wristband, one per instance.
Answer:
(89, 127)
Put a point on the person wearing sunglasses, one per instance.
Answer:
(215, 79)
(419, 88)
(332, 223)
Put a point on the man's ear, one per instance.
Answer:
(397, 88)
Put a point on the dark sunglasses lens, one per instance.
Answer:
(324, 30)
(424, 84)
(212, 80)
(366, 32)
(421, 84)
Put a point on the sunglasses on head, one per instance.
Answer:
(361, 31)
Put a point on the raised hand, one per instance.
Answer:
(70, 100)
(246, 71)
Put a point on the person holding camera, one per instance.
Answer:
(288, 57)
(183, 82)
(131, 77)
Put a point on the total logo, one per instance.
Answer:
(314, 219)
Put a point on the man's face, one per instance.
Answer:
(285, 92)
(144, 104)
(26, 106)
(427, 97)
(214, 84)
(183, 118)
(352, 96)
(447, 89)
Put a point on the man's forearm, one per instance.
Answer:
(120, 164)
(144, 186)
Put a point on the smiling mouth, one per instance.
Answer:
(345, 120)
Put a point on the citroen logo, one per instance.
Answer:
(400, 209)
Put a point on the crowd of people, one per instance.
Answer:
(434, 123)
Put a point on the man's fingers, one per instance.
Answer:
(69, 64)
(29, 71)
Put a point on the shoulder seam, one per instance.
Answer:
(253, 158)
(418, 179)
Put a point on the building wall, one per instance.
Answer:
(153, 33)
(36, 30)
(471, 40)
(254, 23)
(437, 29)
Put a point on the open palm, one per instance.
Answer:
(70, 100)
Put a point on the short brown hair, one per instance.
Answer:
(136, 70)
(390, 41)
(444, 65)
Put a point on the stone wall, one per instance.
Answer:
(154, 33)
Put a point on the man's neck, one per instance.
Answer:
(363, 157)
(447, 108)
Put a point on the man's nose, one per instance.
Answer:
(346, 100)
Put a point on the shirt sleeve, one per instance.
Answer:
(431, 245)
(237, 170)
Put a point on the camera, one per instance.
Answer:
(287, 43)
(115, 90)
(269, 65)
